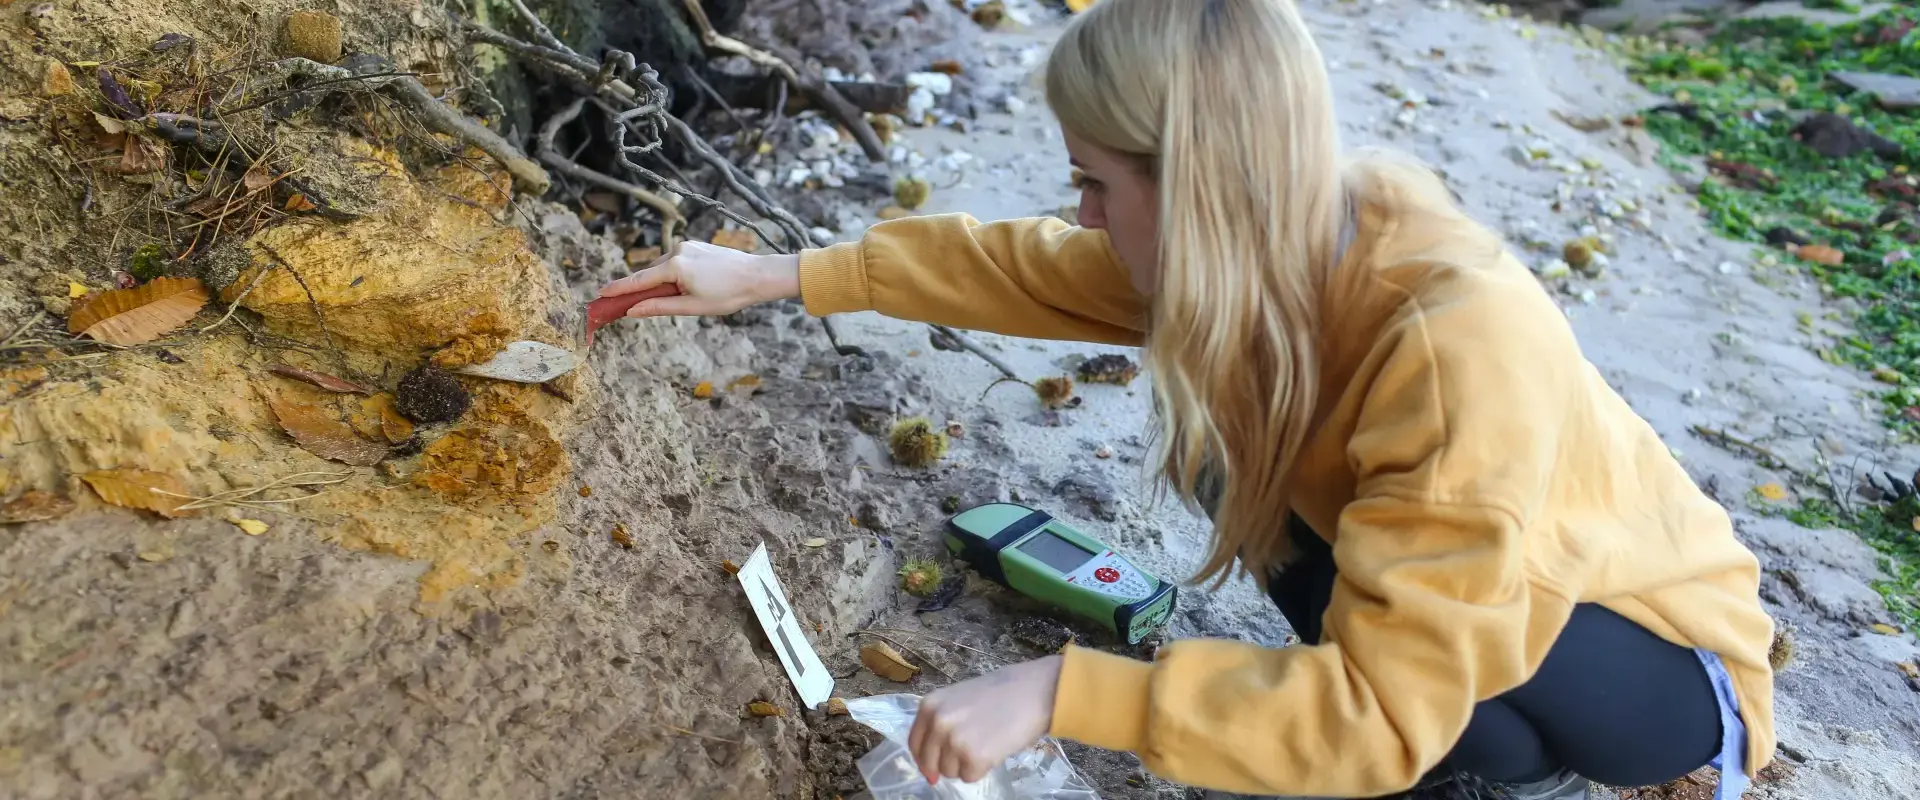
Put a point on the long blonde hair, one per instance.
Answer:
(1229, 103)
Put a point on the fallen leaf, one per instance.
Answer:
(298, 203)
(703, 390)
(1885, 630)
(142, 314)
(76, 290)
(621, 537)
(383, 410)
(258, 177)
(139, 488)
(736, 238)
(748, 382)
(887, 662)
(948, 66)
(141, 156)
(109, 124)
(251, 527)
(837, 707)
(35, 506)
(815, 542)
(761, 708)
(320, 379)
(321, 429)
(1772, 491)
(730, 567)
(1821, 254)
(1909, 669)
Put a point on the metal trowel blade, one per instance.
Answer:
(525, 362)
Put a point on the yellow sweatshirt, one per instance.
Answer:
(1476, 476)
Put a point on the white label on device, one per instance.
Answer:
(1111, 575)
(769, 601)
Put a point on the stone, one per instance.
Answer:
(1894, 92)
(313, 35)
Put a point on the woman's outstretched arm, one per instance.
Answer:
(1036, 277)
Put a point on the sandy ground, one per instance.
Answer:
(1692, 330)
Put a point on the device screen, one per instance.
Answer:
(1056, 552)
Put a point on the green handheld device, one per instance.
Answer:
(1034, 554)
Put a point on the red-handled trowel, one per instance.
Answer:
(539, 362)
(608, 309)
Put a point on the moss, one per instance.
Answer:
(149, 261)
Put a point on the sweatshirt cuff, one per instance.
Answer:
(1101, 699)
(833, 280)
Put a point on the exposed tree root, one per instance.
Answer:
(672, 222)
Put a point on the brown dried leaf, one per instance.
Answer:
(730, 567)
(142, 314)
(139, 488)
(141, 156)
(35, 506)
(736, 238)
(258, 177)
(621, 537)
(298, 203)
(837, 707)
(761, 708)
(887, 662)
(320, 379)
(319, 430)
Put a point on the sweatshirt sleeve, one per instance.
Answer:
(1429, 613)
(1038, 277)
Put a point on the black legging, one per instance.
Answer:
(1612, 702)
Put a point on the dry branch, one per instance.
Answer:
(672, 222)
(376, 73)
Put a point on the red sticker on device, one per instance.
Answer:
(1107, 574)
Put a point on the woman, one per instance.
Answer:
(1498, 571)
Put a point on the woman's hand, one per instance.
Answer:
(965, 730)
(713, 280)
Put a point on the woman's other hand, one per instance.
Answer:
(713, 280)
(965, 730)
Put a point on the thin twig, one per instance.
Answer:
(319, 317)
(698, 735)
(31, 321)
(938, 640)
(956, 340)
(235, 305)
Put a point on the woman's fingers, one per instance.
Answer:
(661, 271)
(677, 305)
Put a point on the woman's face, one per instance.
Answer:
(1119, 197)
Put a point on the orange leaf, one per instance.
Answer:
(1772, 491)
(298, 203)
(141, 314)
(703, 391)
(139, 488)
(736, 238)
(1821, 254)
(35, 506)
(319, 430)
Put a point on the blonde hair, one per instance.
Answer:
(1228, 103)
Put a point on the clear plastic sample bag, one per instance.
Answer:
(1040, 772)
